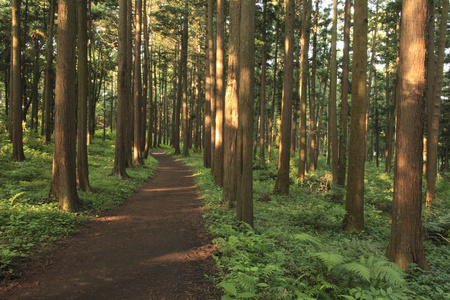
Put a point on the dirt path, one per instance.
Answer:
(149, 248)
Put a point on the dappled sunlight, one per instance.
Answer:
(193, 254)
(168, 189)
(112, 219)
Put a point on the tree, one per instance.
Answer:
(434, 104)
(137, 154)
(82, 78)
(246, 97)
(312, 96)
(282, 184)
(342, 164)
(120, 157)
(262, 90)
(405, 245)
(184, 54)
(333, 132)
(209, 45)
(354, 203)
(306, 29)
(63, 181)
(231, 109)
(16, 97)
(220, 96)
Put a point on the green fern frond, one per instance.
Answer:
(329, 259)
(358, 269)
(303, 237)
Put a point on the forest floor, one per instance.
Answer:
(154, 246)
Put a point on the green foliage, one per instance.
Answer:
(30, 219)
(298, 251)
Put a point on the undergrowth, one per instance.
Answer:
(297, 249)
(30, 219)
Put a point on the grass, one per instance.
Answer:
(297, 249)
(30, 219)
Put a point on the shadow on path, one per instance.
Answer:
(148, 248)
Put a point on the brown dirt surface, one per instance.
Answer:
(154, 246)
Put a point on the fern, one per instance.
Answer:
(357, 269)
(329, 259)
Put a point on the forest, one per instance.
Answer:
(318, 133)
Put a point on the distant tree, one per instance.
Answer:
(246, 98)
(312, 105)
(282, 184)
(434, 104)
(354, 203)
(63, 181)
(333, 132)
(342, 164)
(405, 245)
(16, 96)
(209, 45)
(184, 58)
(220, 95)
(48, 90)
(262, 89)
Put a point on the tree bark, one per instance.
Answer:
(405, 245)
(16, 97)
(434, 105)
(333, 132)
(47, 75)
(209, 45)
(246, 98)
(354, 203)
(82, 78)
(282, 184)
(63, 180)
(262, 90)
(312, 96)
(342, 164)
(231, 108)
(306, 30)
(184, 54)
(120, 157)
(137, 77)
(220, 96)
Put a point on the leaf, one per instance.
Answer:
(246, 295)
(229, 288)
(358, 269)
(329, 259)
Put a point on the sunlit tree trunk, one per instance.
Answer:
(208, 54)
(306, 29)
(282, 184)
(231, 108)
(184, 54)
(312, 96)
(354, 203)
(63, 181)
(405, 245)
(262, 90)
(220, 97)
(145, 80)
(137, 91)
(333, 132)
(273, 108)
(16, 97)
(246, 98)
(82, 78)
(434, 105)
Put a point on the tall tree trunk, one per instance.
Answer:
(47, 75)
(120, 157)
(282, 184)
(34, 93)
(342, 165)
(129, 57)
(184, 54)
(333, 133)
(434, 106)
(312, 96)
(63, 181)
(306, 30)
(405, 245)
(220, 96)
(137, 77)
(16, 97)
(376, 131)
(354, 203)
(231, 108)
(389, 111)
(246, 98)
(82, 78)
(262, 90)
(208, 46)
(148, 145)
(273, 108)
(145, 81)
(369, 88)
(178, 108)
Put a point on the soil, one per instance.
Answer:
(154, 246)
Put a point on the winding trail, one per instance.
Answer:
(151, 247)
